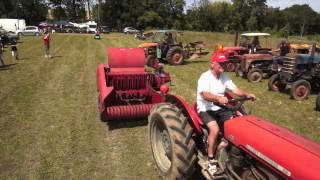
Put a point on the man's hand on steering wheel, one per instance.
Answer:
(252, 96)
(222, 100)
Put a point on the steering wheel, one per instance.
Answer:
(239, 102)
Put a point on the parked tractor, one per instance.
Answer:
(178, 138)
(301, 71)
(126, 89)
(167, 46)
(255, 66)
(234, 55)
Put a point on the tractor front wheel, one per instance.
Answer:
(254, 75)
(318, 102)
(172, 146)
(274, 83)
(230, 67)
(151, 61)
(300, 90)
(175, 55)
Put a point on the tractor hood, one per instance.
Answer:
(258, 57)
(146, 45)
(294, 156)
(304, 58)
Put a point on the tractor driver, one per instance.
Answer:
(212, 86)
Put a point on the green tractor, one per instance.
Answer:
(167, 46)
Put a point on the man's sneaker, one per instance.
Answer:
(213, 167)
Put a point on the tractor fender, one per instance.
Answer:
(192, 116)
(291, 155)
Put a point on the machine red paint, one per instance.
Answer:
(287, 153)
(251, 148)
(126, 89)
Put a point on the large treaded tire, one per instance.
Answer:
(255, 75)
(175, 55)
(318, 102)
(172, 146)
(274, 83)
(300, 90)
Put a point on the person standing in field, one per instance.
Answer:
(46, 41)
(1, 60)
(14, 50)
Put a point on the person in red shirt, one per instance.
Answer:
(46, 41)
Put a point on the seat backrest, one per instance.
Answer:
(126, 59)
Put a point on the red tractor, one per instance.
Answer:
(249, 148)
(234, 55)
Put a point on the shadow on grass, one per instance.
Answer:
(7, 67)
(54, 57)
(131, 123)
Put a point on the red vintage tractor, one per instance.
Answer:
(234, 55)
(249, 148)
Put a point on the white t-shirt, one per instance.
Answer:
(209, 83)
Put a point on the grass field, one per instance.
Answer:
(49, 121)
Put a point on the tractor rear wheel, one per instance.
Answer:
(175, 55)
(274, 83)
(151, 61)
(230, 67)
(254, 75)
(318, 102)
(172, 146)
(300, 90)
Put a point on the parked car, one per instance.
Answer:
(29, 30)
(104, 29)
(130, 30)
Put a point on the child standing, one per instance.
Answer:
(46, 41)
(14, 50)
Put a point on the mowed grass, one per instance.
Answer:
(49, 121)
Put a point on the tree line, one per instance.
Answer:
(203, 15)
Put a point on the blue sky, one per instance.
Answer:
(314, 4)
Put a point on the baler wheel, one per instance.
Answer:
(274, 83)
(300, 90)
(318, 102)
(172, 146)
(175, 55)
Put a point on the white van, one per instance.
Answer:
(92, 27)
(12, 25)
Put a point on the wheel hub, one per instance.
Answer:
(301, 91)
(256, 76)
(166, 142)
(177, 57)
